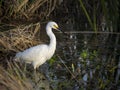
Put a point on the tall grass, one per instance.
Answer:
(98, 10)
(26, 9)
(19, 76)
(13, 78)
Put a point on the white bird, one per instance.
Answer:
(39, 54)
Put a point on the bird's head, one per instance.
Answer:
(53, 25)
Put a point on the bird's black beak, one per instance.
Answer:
(57, 28)
(60, 31)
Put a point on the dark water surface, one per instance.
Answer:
(85, 61)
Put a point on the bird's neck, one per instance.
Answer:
(52, 44)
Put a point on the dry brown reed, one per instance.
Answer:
(29, 8)
(17, 77)
(20, 38)
(14, 78)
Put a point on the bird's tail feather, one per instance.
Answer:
(18, 56)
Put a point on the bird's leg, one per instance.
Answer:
(35, 75)
(35, 79)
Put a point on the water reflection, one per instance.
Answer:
(85, 64)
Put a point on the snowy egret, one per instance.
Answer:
(39, 54)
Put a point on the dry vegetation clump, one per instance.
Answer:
(14, 78)
(18, 76)
(26, 9)
(20, 38)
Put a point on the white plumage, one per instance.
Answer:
(39, 54)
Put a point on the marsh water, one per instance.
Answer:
(85, 61)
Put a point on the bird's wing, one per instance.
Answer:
(34, 53)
